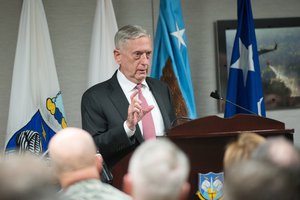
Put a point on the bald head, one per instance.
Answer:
(72, 149)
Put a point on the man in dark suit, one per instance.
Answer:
(112, 112)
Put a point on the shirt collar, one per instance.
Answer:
(126, 84)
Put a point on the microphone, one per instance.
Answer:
(179, 120)
(106, 176)
(216, 95)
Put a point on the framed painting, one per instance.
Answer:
(278, 46)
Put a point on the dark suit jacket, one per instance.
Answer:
(104, 109)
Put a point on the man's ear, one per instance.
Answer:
(185, 190)
(127, 184)
(99, 162)
(117, 56)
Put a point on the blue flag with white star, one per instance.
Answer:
(244, 86)
(170, 49)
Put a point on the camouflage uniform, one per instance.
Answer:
(93, 189)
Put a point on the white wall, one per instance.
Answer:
(70, 24)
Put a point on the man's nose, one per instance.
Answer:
(144, 58)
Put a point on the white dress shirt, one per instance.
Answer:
(128, 88)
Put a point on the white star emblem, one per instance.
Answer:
(179, 34)
(245, 61)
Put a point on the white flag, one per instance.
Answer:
(36, 108)
(102, 64)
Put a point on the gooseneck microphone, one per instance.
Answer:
(176, 121)
(216, 95)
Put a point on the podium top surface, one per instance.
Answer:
(216, 126)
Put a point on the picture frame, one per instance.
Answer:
(278, 46)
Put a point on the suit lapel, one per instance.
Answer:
(121, 103)
(158, 97)
(118, 98)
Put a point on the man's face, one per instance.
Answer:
(134, 58)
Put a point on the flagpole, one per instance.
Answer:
(153, 24)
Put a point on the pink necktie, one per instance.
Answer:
(147, 120)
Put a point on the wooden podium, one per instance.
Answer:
(204, 141)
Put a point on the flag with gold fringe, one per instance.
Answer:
(170, 61)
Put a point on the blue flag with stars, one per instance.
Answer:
(244, 86)
(170, 47)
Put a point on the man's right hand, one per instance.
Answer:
(135, 111)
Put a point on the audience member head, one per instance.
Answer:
(279, 151)
(158, 170)
(241, 149)
(26, 177)
(253, 179)
(72, 152)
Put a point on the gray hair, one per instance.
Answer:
(158, 169)
(279, 151)
(129, 32)
(26, 177)
(246, 180)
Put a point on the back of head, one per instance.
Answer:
(72, 149)
(252, 179)
(158, 170)
(278, 151)
(26, 177)
(242, 148)
(129, 32)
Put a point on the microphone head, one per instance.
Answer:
(215, 95)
